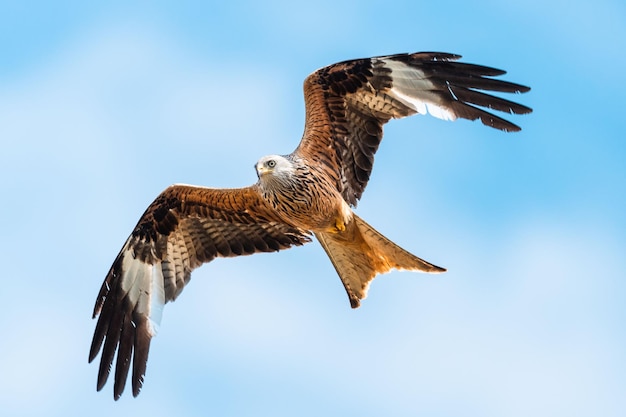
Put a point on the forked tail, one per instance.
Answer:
(360, 253)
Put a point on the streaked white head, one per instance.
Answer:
(274, 167)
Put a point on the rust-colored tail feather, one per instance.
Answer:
(360, 253)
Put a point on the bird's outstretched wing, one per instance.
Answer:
(347, 104)
(183, 228)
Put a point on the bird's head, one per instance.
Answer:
(273, 166)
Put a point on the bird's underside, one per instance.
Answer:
(310, 191)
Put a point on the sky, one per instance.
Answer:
(102, 106)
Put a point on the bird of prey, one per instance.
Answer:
(309, 192)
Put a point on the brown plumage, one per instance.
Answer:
(309, 191)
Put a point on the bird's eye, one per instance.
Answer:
(271, 163)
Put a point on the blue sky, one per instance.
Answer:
(103, 106)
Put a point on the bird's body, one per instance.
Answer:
(301, 194)
(310, 191)
(304, 196)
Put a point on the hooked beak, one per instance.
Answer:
(260, 170)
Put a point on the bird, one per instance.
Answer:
(309, 192)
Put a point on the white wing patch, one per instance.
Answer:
(143, 284)
(415, 91)
(157, 299)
